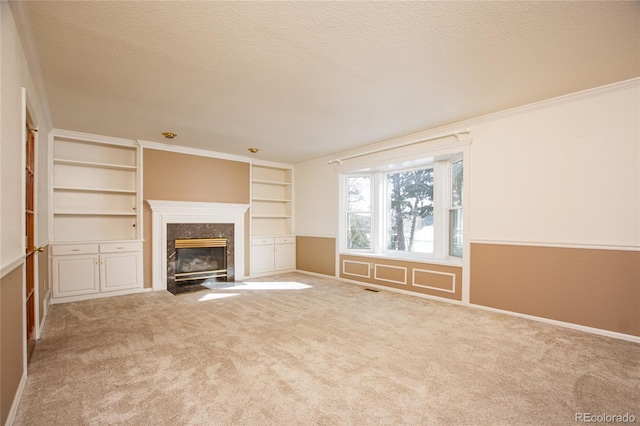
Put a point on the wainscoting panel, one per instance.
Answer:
(592, 287)
(434, 280)
(391, 274)
(356, 268)
(420, 277)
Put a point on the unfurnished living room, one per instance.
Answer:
(319, 213)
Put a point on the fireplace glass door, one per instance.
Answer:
(200, 259)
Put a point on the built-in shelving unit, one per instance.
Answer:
(95, 189)
(271, 201)
(273, 243)
(95, 215)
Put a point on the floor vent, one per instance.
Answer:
(372, 289)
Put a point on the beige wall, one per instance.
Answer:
(316, 254)
(590, 287)
(418, 277)
(11, 339)
(182, 177)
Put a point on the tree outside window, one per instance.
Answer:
(410, 211)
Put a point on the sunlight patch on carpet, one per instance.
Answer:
(214, 296)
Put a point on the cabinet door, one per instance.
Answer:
(261, 258)
(285, 256)
(119, 271)
(75, 275)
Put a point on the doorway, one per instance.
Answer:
(31, 249)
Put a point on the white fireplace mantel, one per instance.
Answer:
(164, 212)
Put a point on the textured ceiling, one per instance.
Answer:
(300, 80)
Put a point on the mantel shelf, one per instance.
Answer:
(90, 164)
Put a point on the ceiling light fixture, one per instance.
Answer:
(169, 135)
(253, 150)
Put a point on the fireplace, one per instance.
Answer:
(180, 225)
(199, 255)
(200, 259)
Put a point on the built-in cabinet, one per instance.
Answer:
(84, 269)
(95, 215)
(272, 243)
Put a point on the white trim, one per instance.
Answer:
(449, 261)
(164, 212)
(402, 291)
(453, 280)
(357, 262)
(272, 164)
(16, 399)
(560, 245)
(429, 133)
(57, 301)
(382, 265)
(12, 265)
(316, 274)
(593, 330)
(89, 137)
(193, 151)
(316, 236)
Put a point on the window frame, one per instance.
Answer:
(442, 203)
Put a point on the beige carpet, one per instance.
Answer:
(314, 351)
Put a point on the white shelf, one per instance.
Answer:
(106, 190)
(96, 213)
(95, 188)
(90, 164)
(270, 182)
(272, 200)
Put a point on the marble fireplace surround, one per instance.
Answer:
(165, 212)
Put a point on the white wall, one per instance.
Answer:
(565, 171)
(14, 76)
(562, 172)
(316, 199)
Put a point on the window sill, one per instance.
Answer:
(450, 261)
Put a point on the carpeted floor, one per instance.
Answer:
(303, 350)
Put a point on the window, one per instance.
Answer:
(359, 212)
(455, 210)
(412, 212)
(409, 212)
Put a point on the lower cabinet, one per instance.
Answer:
(89, 269)
(272, 254)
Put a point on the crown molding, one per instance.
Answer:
(453, 127)
(193, 151)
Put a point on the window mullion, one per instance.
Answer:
(441, 216)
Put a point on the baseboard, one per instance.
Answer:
(16, 400)
(592, 330)
(99, 295)
(315, 274)
(398, 290)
